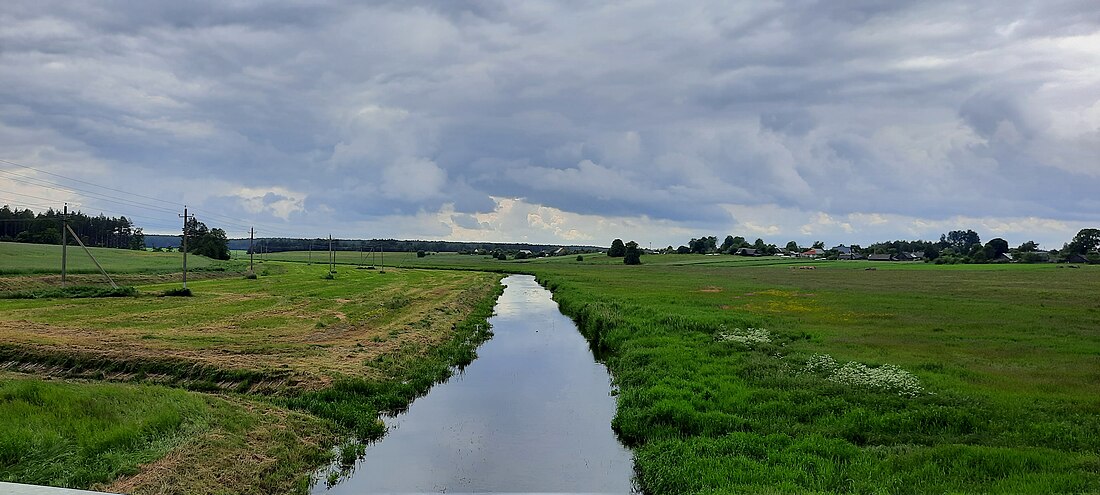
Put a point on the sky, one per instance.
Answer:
(559, 121)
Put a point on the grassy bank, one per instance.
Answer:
(80, 434)
(907, 379)
(297, 360)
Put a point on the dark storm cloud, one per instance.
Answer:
(332, 110)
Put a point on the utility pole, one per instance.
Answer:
(185, 217)
(251, 252)
(64, 243)
(331, 256)
(311, 251)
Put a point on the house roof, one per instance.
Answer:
(881, 257)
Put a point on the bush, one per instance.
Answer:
(178, 292)
(580, 258)
(250, 276)
(421, 254)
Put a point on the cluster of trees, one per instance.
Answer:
(202, 241)
(629, 252)
(18, 225)
(957, 246)
(709, 245)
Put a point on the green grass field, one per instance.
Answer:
(25, 259)
(1007, 358)
(734, 374)
(81, 434)
(298, 361)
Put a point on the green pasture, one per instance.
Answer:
(26, 259)
(1008, 358)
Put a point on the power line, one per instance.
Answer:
(73, 190)
(86, 182)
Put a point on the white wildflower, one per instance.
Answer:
(746, 336)
(887, 378)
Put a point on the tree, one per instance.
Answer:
(962, 241)
(211, 243)
(727, 245)
(632, 255)
(819, 245)
(1086, 240)
(617, 249)
(759, 245)
(1028, 247)
(792, 247)
(704, 245)
(994, 248)
(683, 250)
(137, 240)
(421, 254)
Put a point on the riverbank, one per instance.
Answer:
(531, 415)
(273, 371)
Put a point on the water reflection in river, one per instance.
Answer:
(531, 414)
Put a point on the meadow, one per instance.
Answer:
(248, 383)
(749, 374)
(732, 374)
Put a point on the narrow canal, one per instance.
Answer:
(531, 414)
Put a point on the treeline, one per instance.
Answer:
(18, 225)
(957, 246)
(279, 244)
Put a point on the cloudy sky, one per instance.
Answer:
(560, 122)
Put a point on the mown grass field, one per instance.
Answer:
(288, 364)
(1007, 358)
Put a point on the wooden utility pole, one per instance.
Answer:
(185, 217)
(310, 251)
(64, 243)
(331, 256)
(251, 238)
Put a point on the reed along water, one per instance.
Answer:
(531, 414)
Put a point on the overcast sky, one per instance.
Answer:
(562, 122)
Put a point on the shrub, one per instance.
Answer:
(178, 292)
(580, 258)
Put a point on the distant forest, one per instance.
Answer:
(45, 228)
(280, 244)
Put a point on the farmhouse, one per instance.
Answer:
(842, 250)
(812, 253)
(747, 252)
(882, 257)
(1076, 258)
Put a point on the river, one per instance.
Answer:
(531, 414)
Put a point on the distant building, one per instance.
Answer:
(1076, 258)
(882, 257)
(747, 252)
(842, 249)
(813, 253)
(849, 256)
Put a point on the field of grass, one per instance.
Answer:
(81, 434)
(296, 358)
(996, 386)
(23, 259)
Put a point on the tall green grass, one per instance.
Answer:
(79, 434)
